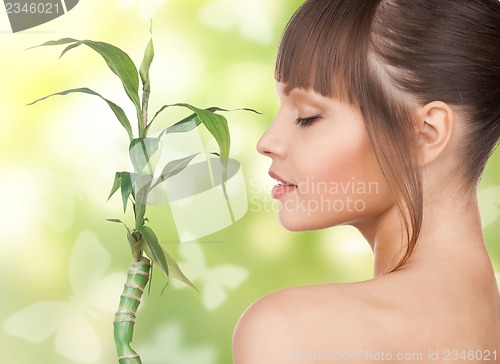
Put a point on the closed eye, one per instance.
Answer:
(305, 122)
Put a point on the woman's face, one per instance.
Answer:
(322, 159)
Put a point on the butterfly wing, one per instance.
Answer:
(192, 263)
(169, 347)
(77, 339)
(217, 281)
(88, 263)
(214, 281)
(36, 323)
(106, 293)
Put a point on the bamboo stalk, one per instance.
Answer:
(137, 278)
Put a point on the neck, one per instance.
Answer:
(451, 233)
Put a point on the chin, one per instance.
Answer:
(296, 223)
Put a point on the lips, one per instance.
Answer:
(283, 187)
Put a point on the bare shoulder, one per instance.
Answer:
(388, 316)
(285, 326)
(258, 336)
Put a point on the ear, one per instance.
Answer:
(435, 128)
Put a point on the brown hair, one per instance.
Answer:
(372, 52)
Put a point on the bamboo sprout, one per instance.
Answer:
(137, 278)
(142, 239)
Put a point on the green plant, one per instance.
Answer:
(135, 186)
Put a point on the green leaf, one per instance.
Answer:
(153, 248)
(184, 126)
(187, 124)
(146, 63)
(175, 271)
(55, 42)
(142, 185)
(126, 188)
(191, 122)
(217, 126)
(141, 150)
(121, 65)
(117, 110)
(116, 184)
(215, 123)
(146, 83)
(174, 167)
(118, 221)
(117, 60)
(68, 48)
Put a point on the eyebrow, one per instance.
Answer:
(303, 95)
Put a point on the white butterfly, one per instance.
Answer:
(489, 204)
(75, 336)
(212, 282)
(169, 348)
(250, 17)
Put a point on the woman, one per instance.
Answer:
(404, 96)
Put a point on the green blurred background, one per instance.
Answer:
(62, 265)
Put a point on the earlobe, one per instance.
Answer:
(435, 128)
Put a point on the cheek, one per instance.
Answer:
(359, 179)
(341, 159)
(343, 182)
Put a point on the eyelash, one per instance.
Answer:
(305, 122)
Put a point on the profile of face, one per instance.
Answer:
(323, 161)
(369, 124)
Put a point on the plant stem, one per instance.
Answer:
(144, 115)
(137, 278)
(140, 211)
(224, 190)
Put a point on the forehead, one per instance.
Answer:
(290, 90)
(296, 93)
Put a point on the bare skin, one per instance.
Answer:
(444, 298)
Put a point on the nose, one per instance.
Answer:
(272, 142)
